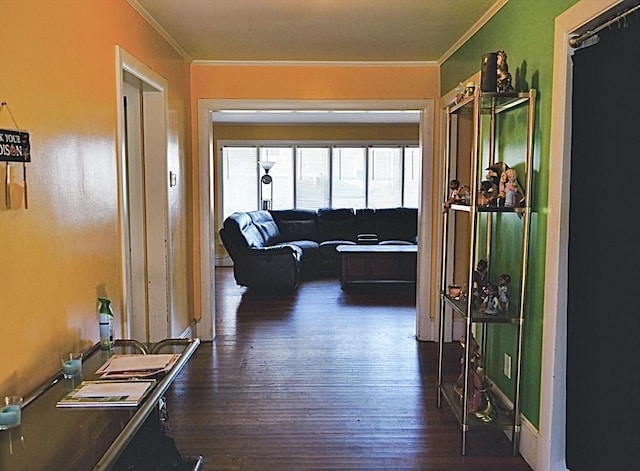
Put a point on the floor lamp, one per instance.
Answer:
(266, 179)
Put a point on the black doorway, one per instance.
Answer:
(603, 362)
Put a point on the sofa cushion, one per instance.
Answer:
(297, 230)
(336, 224)
(396, 242)
(241, 233)
(399, 224)
(296, 224)
(310, 253)
(267, 227)
(366, 221)
(273, 269)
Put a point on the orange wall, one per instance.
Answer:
(58, 77)
(306, 82)
(315, 82)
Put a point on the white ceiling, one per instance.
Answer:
(317, 30)
(312, 31)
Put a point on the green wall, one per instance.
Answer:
(525, 30)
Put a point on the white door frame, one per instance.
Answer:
(155, 323)
(552, 438)
(206, 329)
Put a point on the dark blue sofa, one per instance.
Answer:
(273, 250)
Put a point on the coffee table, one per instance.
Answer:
(378, 263)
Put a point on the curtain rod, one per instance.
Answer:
(576, 41)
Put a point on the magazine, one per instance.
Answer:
(107, 394)
(137, 366)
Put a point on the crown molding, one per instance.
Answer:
(163, 32)
(477, 26)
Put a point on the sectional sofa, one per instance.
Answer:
(273, 250)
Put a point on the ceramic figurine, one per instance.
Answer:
(511, 188)
(479, 402)
(504, 77)
(490, 305)
(503, 292)
(457, 194)
(479, 283)
(490, 187)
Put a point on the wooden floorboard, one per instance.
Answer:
(324, 379)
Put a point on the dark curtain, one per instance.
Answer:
(603, 343)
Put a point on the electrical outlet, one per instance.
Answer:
(507, 365)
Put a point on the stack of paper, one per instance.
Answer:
(107, 394)
(137, 366)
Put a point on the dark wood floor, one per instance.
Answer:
(324, 379)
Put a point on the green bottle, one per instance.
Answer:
(106, 324)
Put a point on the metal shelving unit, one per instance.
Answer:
(470, 232)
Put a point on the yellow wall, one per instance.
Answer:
(58, 77)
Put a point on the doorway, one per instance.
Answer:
(552, 440)
(143, 171)
(603, 255)
(425, 325)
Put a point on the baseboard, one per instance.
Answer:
(529, 442)
(528, 433)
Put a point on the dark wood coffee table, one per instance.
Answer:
(378, 263)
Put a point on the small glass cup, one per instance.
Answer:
(71, 364)
(10, 412)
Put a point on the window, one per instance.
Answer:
(312, 179)
(320, 176)
(348, 176)
(385, 177)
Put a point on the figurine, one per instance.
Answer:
(479, 283)
(460, 93)
(490, 186)
(504, 77)
(479, 402)
(457, 194)
(490, 304)
(503, 292)
(454, 194)
(469, 89)
(511, 188)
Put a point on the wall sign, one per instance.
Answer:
(14, 146)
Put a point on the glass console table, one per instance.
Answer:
(82, 439)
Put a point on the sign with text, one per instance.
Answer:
(14, 146)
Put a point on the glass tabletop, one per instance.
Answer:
(50, 437)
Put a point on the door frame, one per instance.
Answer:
(425, 327)
(552, 433)
(156, 324)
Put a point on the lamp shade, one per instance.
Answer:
(266, 165)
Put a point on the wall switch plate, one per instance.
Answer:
(507, 365)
